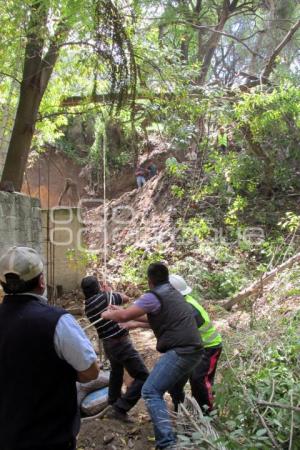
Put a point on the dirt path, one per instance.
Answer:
(110, 434)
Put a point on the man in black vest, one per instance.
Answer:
(171, 318)
(43, 351)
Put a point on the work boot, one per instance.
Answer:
(117, 414)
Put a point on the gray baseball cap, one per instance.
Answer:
(22, 261)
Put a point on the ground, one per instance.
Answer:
(114, 435)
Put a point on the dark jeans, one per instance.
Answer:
(167, 372)
(122, 355)
(201, 380)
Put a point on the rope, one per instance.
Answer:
(104, 211)
(99, 320)
(97, 416)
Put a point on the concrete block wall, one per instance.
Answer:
(52, 233)
(20, 221)
(62, 234)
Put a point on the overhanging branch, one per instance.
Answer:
(223, 33)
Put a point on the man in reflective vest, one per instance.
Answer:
(202, 377)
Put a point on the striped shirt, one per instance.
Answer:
(95, 306)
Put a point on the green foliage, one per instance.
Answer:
(68, 148)
(80, 259)
(134, 268)
(217, 270)
(264, 365)
(291, 222)
(177, 191)
(273, 120)
(175, 169)
(194, 228)
(235, 208)
(273, 117)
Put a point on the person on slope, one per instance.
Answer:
(202, 377)
(140, 174)
(43, 351)
(151, 170)
(171, 318)
(118, 349)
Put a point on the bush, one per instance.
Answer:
(261, 365)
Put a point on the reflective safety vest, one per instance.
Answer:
(222, 139)
(209, 335)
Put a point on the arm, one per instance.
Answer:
(72, 345)
(132, 324)
(120, 298)
(125, 298)
(89, 374)
(143, 319)
(123, 315)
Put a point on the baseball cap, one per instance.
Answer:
(25, 262)
(180, 284)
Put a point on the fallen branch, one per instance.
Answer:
(261, 283)
(269, 432)
(278, 405)
(192, 413)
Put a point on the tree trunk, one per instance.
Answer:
(258, 285)
(36, 75)
(211, 48)
(212, 43)
(184, 49)
(21, 138)
(268, 163)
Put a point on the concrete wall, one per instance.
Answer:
(20, 221)
(62, 235)
(52, 233)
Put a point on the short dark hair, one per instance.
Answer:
(158, 273)
(15, 285)
(90, 286)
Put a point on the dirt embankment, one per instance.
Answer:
(46, 176)
(143, 219)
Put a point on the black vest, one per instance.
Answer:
(175, 325)
(38, 401)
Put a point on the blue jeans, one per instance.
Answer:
(140, 181)
(170, 369)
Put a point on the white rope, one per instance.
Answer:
(104, 210)
(99, 320)
(92, 324)
(105, 216)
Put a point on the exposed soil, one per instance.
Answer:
(45, 176)
(104, 433)
(51, 170)
(112, 434)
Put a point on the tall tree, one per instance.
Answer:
(48, 25)
(37, 71)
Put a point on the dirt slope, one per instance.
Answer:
(143, 218)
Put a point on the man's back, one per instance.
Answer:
(174, 325)
(37, 388)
